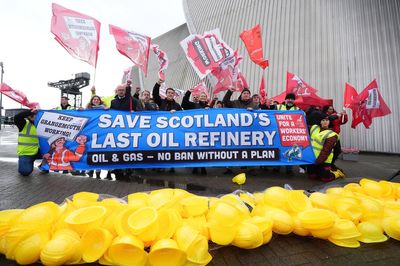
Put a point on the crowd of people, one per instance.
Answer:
(323, 124)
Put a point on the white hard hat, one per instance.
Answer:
(53, 138)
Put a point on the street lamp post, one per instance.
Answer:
(1, 94)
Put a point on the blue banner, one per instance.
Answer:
(110, 139)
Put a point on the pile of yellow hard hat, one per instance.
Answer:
(173, 226)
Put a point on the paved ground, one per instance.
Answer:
(21, 192)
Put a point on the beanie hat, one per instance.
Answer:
(290, 96)
(321, 117)
(246, 89)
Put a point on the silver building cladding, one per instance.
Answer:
(325, 42)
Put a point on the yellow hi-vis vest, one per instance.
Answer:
(28, 142)
(318, 138)
(282, 107)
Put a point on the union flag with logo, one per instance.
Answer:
(367, 105)
(133, 45)
(205, 52)
(78, 33)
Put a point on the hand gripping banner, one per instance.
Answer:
(99, 139)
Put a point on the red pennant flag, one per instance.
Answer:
(17, 96)
(350, 94)
(253, 42)
(78, 33)
(262, 91)
(294, 84)
(162, 61)
(133, 45)
(367, 105)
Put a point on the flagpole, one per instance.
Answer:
(344, 109)
(94, 76)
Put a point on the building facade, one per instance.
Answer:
(326, 42)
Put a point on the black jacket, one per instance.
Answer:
(128, 103)
(164, 104)
(187, 105)
(19, 119)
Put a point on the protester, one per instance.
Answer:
(257, 104)
(137, 93)
(201, 102)
(337, 119)
(28, 142)
(64, 105)
(268, 105)
(97, 103)
(148, 103)
(124, 101)
(323, 141)
(312, 116)
(167, 104)
(244, 100)
(105, 99)
(289, 103)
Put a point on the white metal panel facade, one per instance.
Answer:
(326, 42)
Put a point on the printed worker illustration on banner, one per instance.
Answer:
(98, 139)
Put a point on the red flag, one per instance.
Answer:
(133, 45)
(200, 88)
(253, 42)
(162, 61)
(17, 96)
(350, 94)
(294, 84)
(262, 91)
(305, 102)
(205, 52)
(78, 33)
(367, 105)
(241, 82)
(228, 74)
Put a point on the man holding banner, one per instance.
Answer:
(28, 143)
(167, 104)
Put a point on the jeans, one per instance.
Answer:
(25, 163)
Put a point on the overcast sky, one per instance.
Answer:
(32, 57)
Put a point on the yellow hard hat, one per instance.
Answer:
(239, 179)
(165, 252)
(127, 250)
(370, 233)
(81, 220)
(95, 242)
